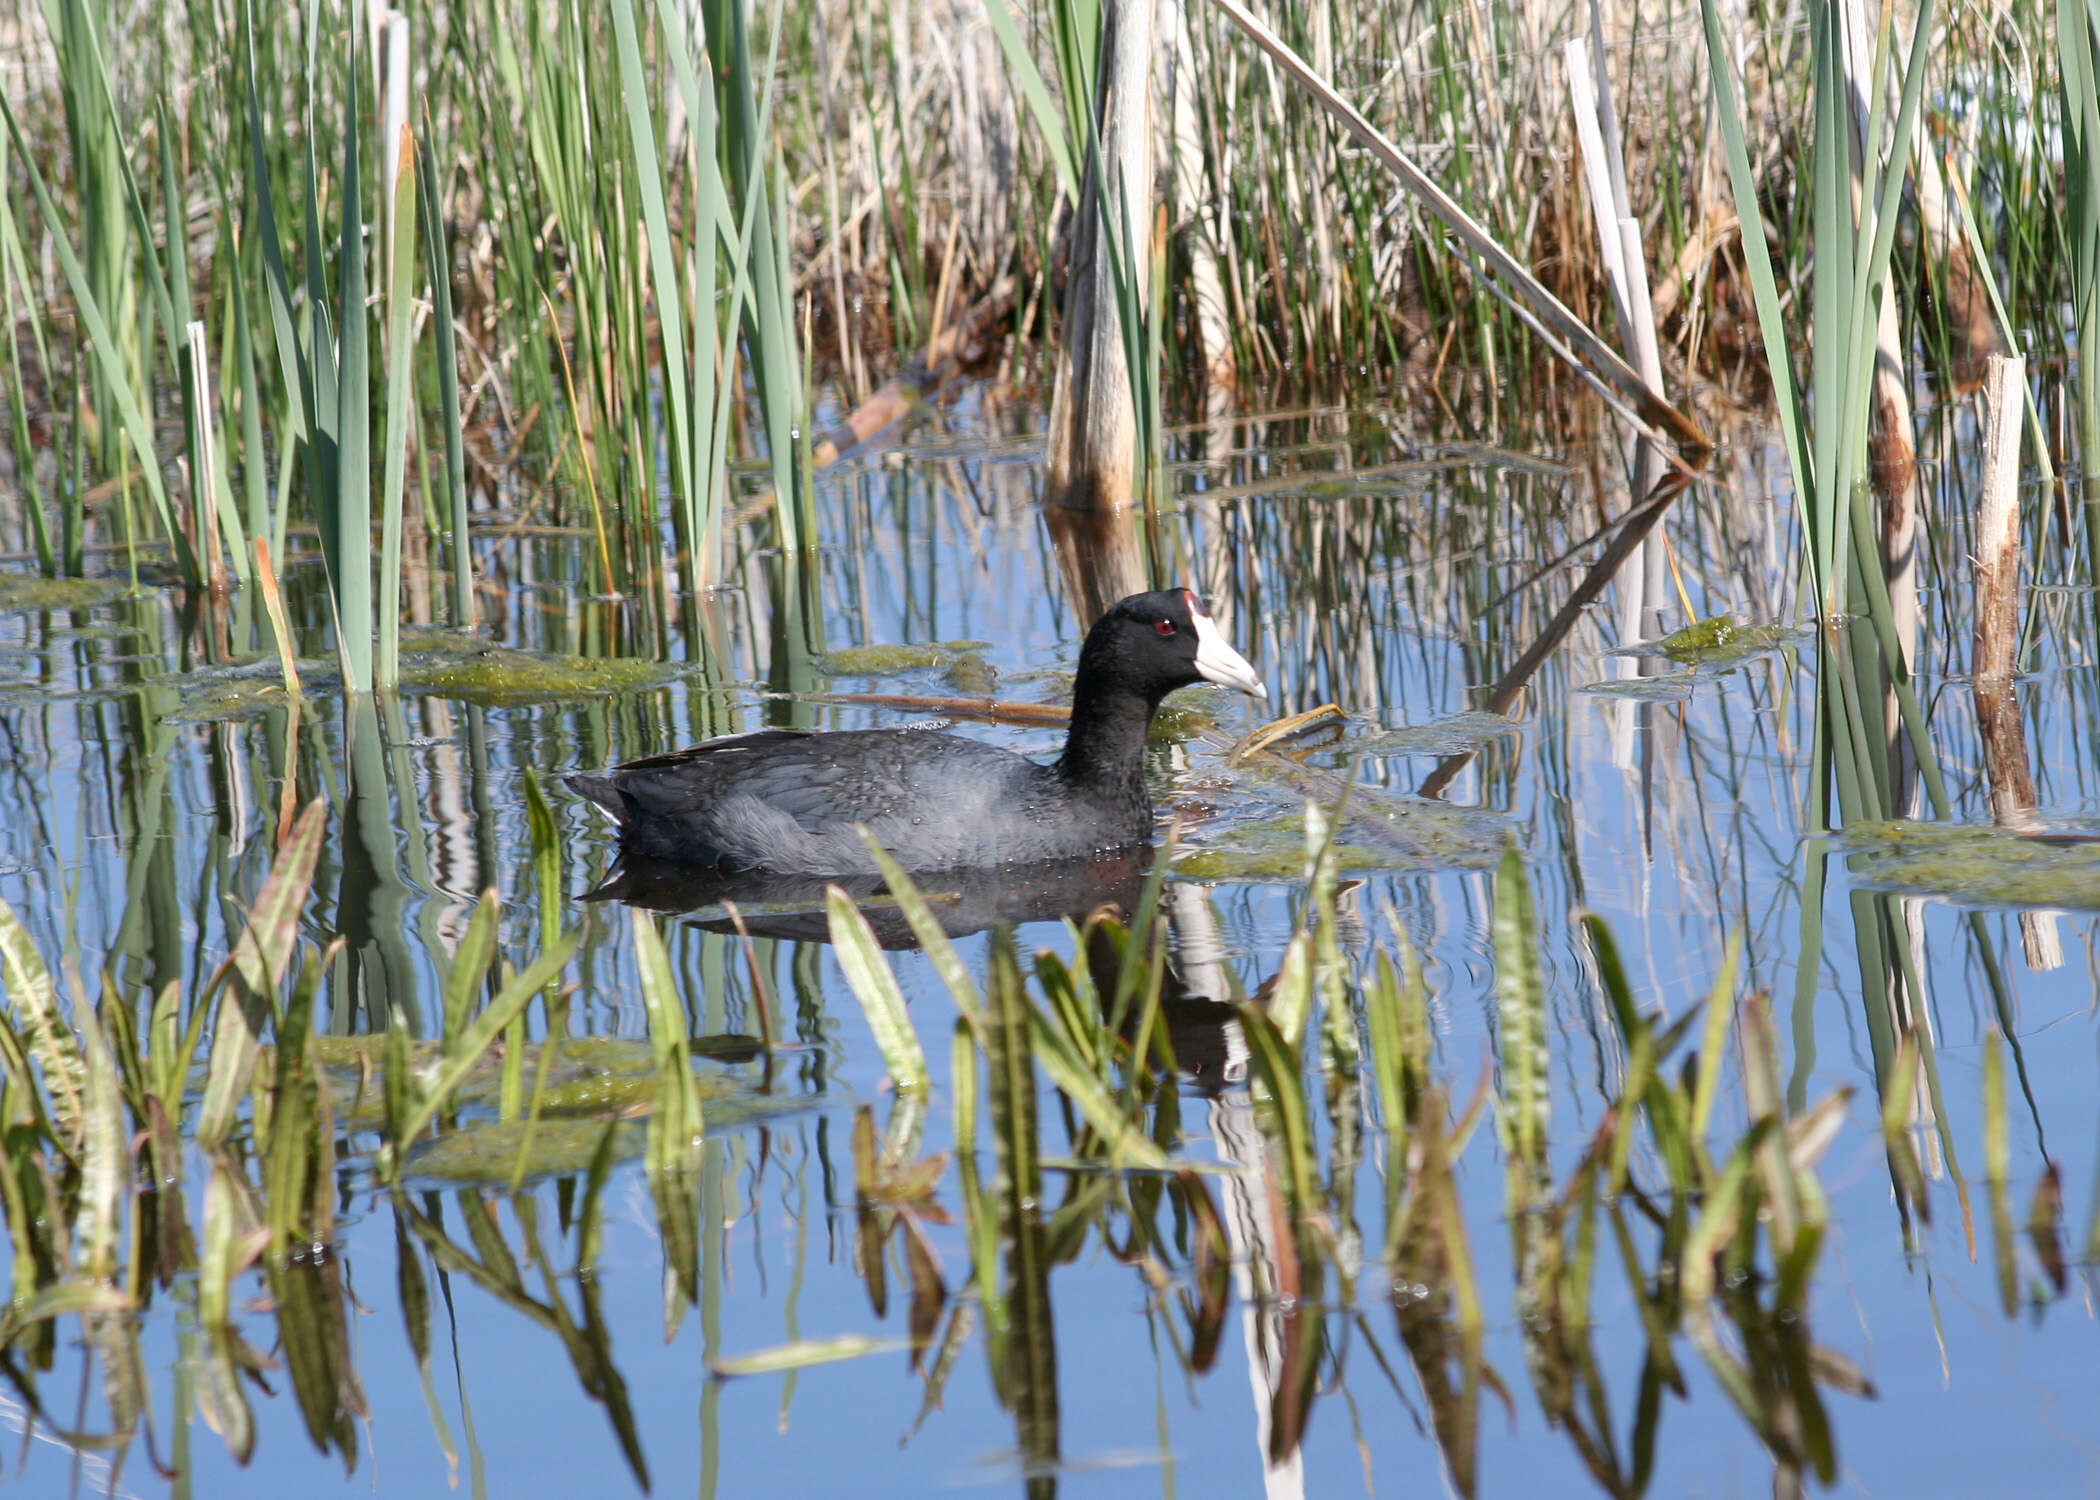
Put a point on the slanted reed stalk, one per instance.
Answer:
(1106, 420)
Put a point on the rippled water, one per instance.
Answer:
(1357, 562)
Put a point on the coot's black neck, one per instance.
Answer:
(1105, 749)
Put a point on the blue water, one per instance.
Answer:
(1676, 821)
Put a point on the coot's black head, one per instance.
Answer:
(1151, 644)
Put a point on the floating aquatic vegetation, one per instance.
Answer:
(1979, 865)
(960, 664)
(485, 1153)
(1671, 688)
(223, 702)
(590, 1076)
(895, 660)
(30, 591)
(1719, 641)
(28, 695)
(1183, 716)
(1381, 833)
(1449, 736)
(238, 689)
(453, 665)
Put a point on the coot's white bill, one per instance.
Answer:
(1216, 659)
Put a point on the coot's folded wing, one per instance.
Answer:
(729, 746)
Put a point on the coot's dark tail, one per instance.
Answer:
(601, 791)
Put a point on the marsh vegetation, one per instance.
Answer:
(1618, 1020)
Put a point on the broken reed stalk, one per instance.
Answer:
(1618, 229)
(204, 462)
(1997, 647)
(1626, 272)
(1998, 524)
(1094, 438)
(391, 59)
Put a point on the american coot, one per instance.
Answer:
(787, 802)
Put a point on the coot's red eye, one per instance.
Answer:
(1165, 627)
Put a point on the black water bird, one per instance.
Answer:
(789, 802)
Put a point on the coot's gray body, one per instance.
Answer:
(791, 803)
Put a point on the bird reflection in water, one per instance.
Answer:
(1195, 997)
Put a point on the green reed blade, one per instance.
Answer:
(1388, 1053)
(1832, 332)
(174, 212)
(211, 501)
(257, 966)
(297, 370)
(470, 967)
(1720, 1009)
(868, 973)
(1764, 284)
(1276, 1063)
(1008, 1048)
(401, 1088)
(437, 258)
(1082, 1034)
(121, 1028)
(1291, 1004)
(1050, 121)
(290, 1168)
(926, 927)
(1997, 1170)
(33, 1000)
(350, 571)
(517, 993)
(400, 406)
(1520, 994)
(712, 229)
(264, 948)
(590, 1217)
(965, 1085)
(1720, 1219)
(1611, 978)
(1127, 1145)
(1872, 251)
(1897, 1106)
(230, 1244)
(13, 273)
(2078, 92)
(636, 93)
(105, 1153)
(675, 1125)
(1997, 1138)
(771, 315)
(174, 313)
(109, 354)
(167, 1067)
